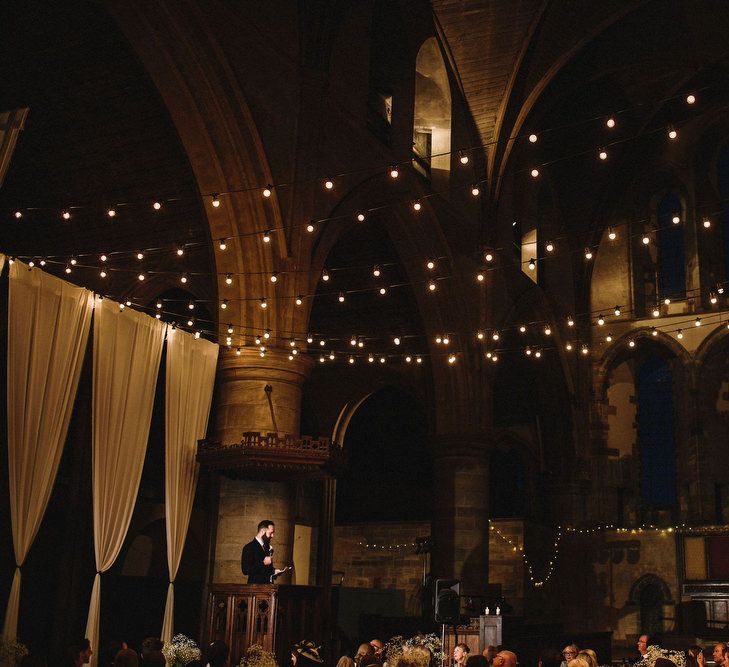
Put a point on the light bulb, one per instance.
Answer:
(697, 322)
(535, 173)
(588, 253)
(617, 311)
(679, 333)
(430, 264)
(111, 212)
(310, 227)
(532, 264)
(183, 278)
(475, 190)
(396, 340)
(479, 335)
(383, 291)
(180, 251)
(408, 359)
(215, 200)
(480, 277)
(267, 236)
(538, 354)
(417, 206)
(329, 184)
(570, 321)
(299, 300)
(222, 244)
(690, 99)
(610, 122)
(102, 273)
(431, 286)
(394, 173)
(371, 359)
(568, 346)
(74, 261)
(267, 191)
(376, 271)
(224, 304)
(322, 343)
(463, 158)
(495, 335)
(611, 234)
(274, 277)
(533, 138)
(438, 340)
(600, 320)
(66, 215)
(667, 301)
(18, 215)
(488, 255)
(654, 331)
(157, 205)
(341, 297)
(309, 338)
(707, 223)
(351, 360)
(360, 217)
(103, 258)
(549, 247)
(631, 343)
(325, 276)
(140, 255)
(446, 340)
(191, 305)
(672, 134)
(257, 340)
(547, 331)
(646, 239)
(656, 312)
(159, 304)
(602, 154)
(264, 303)
(676, 219)
(228, 279)
(528, 351)
(237, 351)
(585, 349)
(353, 341)
(609, 338)
(452, 359)
(141, 276)
(418, 360)
(129, 303)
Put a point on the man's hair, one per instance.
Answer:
(265, 524)
(650, 640)
(463, 647)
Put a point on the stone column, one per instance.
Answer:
(263, 394)
(460, 526)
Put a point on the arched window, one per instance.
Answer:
(656, 434)
(432, 116)
(723, 183)
(671, 256)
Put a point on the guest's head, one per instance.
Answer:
(570, 651)
(695, 657)
(363, 650)
(579, 661)
(345, 661)
(460, 654)
(377, 647)
(504, 659)
(150, 645)
(126, 658)
(718, 653)
(266, 529)
(79, 653)
(644, 641)
(217, 653)
(489, 652)
(589, 655)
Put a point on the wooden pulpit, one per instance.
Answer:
(273, 616)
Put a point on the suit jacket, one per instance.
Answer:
(251, 563)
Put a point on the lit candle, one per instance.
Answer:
(498, 610)
(487, 611)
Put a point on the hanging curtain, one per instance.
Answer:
(189, 382)
(48, 329)
(127, 352)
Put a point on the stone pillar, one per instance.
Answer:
(460, 527)
(244, 403)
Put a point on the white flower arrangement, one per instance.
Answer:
(11, 651)
(654, 652)
(397, 646)
(181, 651)
(256, 656)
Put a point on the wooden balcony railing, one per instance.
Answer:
(272, 455)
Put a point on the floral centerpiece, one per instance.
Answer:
(181, 651)
(654, 652)
(256, 656)
(11, 651)
(398, 646)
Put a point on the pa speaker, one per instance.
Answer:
(447, 601)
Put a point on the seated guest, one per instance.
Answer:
(569, 652)
(78, 654)
(150, 645)
(695, 657)
(504, 659)
(589, 655)
(377, 646)
(460, 655)
(345, 661)
(489, 652)
(362, 651)
(126, 658)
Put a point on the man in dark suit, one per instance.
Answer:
(257, 557)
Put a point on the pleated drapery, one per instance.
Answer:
(48, 328)
(189, 383)
(127, 352)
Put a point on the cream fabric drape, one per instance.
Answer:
(127, 352)
(189, 382)
(48, 329)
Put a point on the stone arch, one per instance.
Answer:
(649, 593)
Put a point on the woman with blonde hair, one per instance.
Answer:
(589, 655)
(579, 661)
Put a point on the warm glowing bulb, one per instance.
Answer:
(141, 277)
(480, 277)
(417, 206)
(464, 158)
(646, 239)
(329, 184)
(267, 191)
(667, 301)
(351, 360)
(102, 273)
(588, 253)
(222, 244)
(602, 154)
(360, 217)
(396, 340)
(690, 99)
(309, 338)
(533, 138)
(600, 320)
(528, 351)
(224, 304)
(538, 354)
(452, 359)
(522, 329)
(310, 227)
(180, 252)
(617, 311)
(341, 297)
(431, 286)
(264, 303)
(216, 200)
(274, 277)
(157, 205)
(376, 271)
(18, 215)
(159, 305)
(103, 258)
(430, 264)
(488, 256)
(532, 264)
(611, 234)
(707, 223)
(74, 261)
(475, 190)
(679, 333)
(111, 212)
(713, 298)
(479, 335)
(535, 173)
(140, 255)
(672, 134)
(66, 215)
(631, 343)
(570, 321)
(267, 236)
(697, 322)
(191, 305)
(676, 219)
(609, 338)
(228, 279)
(549, 247)
(654, 331)
(446, 340)
(383, 291)
(183, 278)
(394, 173)
(299, 300)
(325, 276)
(547, 331)
(568, 347)
(610, 122)
(585, 349)
(495, 335)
